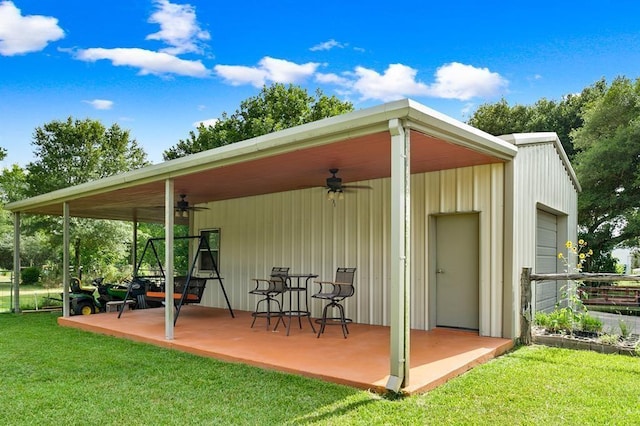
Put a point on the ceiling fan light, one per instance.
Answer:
(185, 213)
(340, 195)
(331, 195)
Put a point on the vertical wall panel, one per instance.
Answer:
(464, 197)
(540, 181)
(304, 231)
(482, 192)
(496, 257)
(448, 191)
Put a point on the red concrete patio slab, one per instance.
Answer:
(361, 360)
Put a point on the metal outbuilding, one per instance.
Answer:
(439, 239)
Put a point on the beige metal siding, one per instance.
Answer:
(540, 180)
(302, 230)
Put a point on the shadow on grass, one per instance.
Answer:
(46, 365)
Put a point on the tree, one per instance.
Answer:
(35, 249)
(276, 108)
(72, 152)
(608, 167)
(69, 153)
(13, 184)
(545, 115)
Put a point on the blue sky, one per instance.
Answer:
(159, 67)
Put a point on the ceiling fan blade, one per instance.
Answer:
(357, 186)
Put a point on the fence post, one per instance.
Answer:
(525, 306)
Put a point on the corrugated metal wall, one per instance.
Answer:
(540, 181)
(304, 231)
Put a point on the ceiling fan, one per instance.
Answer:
(182, 207)
(335, 188)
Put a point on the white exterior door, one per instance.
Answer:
(457, 271)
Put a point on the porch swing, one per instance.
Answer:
(148, 289)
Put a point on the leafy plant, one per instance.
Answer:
(625, 330)
(565, 320)
(541, 319)
(574, 261)
(30, 275)
(610, 339)
(590, 324)
(560, 321)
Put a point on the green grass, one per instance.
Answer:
(56, 375)
(29, 296)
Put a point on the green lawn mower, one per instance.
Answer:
(93, 298)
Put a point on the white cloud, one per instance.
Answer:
(268, 70)
(208, 122)
(327, 45)
(452, 81)
(463, 82)
(398, 81)
(331, 78)
(178, 28)
(23, 34)
(149, 62)
(100, 103)
(237, 75)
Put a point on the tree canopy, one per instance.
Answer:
(545, 115)
(68, 153)
(276, 107)
(608, 166)
(72, 152)
(600, 131)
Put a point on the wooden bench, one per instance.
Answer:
(192, 294)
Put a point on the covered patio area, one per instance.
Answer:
(269, 196)
(361, 360)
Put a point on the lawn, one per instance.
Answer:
(56, 375)
(31, 296)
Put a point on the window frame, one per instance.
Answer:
(215, 250)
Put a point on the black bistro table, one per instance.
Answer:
(299, 284)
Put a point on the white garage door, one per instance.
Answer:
(547, 293)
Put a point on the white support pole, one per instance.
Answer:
(169, 312)
(66, 279)
(400, 255)
(16, 262)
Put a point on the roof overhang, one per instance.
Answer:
(357, 143)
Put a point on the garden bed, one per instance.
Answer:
(597, 342)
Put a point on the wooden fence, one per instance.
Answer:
(627, 296)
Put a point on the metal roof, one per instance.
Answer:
(357, 143)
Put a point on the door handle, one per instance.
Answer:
(439, 271)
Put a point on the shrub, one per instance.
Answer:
(541, 319)
(610, 339)
(561, 320)
(590, 324)
(30, 275)
(625, 330)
